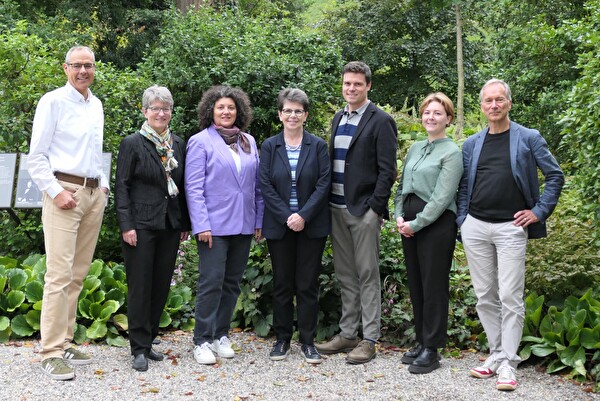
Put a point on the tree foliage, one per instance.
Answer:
(261, 56)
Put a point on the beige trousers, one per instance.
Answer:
(70, 238)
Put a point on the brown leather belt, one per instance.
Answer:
(85, 182)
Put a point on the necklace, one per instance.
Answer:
(293, 148)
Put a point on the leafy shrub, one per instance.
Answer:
(567, 262)
(566, 337)
(101, 307)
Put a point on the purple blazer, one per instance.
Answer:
(219, 199)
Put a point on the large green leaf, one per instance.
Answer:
(542, 349)
(5, 334)
(91, 283)
(83, 306)
(571, 355)
(116, 341)
(17, 278)
(96, 268)
(14, 300)
(174, 303)
(96, 330)
(9, 263)
(165, 320)
(3, 280)
(34, 291)
(108, 308)
(590, 338)
(121, 321)
(40, 266)
(116, 294)
(4, 322)
(555, 366)
(20, 326)
(96, 310)
(31, 260)
(79, 336)
(33, 319)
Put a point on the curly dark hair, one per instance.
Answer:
(214, 93)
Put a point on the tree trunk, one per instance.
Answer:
(460, 93)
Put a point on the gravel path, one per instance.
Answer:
(252, 376)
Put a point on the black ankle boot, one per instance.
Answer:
(412, 354)
(426, 362)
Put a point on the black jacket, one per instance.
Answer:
(313, 180)
(141, 196)
(370, 162)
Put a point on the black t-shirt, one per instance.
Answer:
(496, 197)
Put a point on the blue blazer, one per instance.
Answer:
(313, 180)
(528, 151)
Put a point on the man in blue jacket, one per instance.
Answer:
(499, 208)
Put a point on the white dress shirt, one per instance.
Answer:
(66, 137)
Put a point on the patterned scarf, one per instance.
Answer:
(231, 136)
(165, 151)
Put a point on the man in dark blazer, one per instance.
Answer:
(363, 154)
(499, 208)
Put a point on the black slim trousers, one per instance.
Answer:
(428, 258)
(149, 267)
(296, 261)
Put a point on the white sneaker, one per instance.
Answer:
(204, 355)
(507, 379)
(223, 348)
(487, 370)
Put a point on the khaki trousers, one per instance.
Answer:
(70, 238)
(355, 242)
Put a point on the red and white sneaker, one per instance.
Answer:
(507, 380)
(487, 370)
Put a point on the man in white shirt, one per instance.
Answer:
(65, 161)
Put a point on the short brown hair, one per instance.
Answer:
(440, 98)
(358, 67)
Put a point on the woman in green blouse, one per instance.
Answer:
(425, 212)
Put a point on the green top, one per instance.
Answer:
(432, 171)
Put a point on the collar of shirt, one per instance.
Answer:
(358, 112)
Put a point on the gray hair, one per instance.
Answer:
(492, 81)
(157, 93)
(292, 95)
(74, 48)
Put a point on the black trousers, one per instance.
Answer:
(149, 267)
(428, 257)
(296, 261)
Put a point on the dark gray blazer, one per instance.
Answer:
(141, 196)
(370, 162)
(313, 180)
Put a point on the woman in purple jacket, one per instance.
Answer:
(226, 209)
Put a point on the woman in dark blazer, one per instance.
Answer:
(153, 218)
(295, 179)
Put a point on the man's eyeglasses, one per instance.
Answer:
(77, 66)
(499, 101)
(289, 112)
(157, 110)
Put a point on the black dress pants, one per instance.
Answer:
(296, 261)
(149, 267)
(428, 257)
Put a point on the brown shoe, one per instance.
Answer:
(363, 353)
(336, 345)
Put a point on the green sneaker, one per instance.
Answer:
(57, 369)
(76, 357)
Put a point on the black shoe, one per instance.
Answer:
(311, 355)
(280, 350)
(155, 356)
(412, 354)
(156, 341)
(140, 363)
(427, 362)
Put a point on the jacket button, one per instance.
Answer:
(165, 197)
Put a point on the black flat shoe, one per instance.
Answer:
(140, 363)
(412, 354)
(426, 362)
(155, 356)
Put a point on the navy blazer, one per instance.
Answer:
(370, 168)
(528, 151)
(141, 195)
(313, 181)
